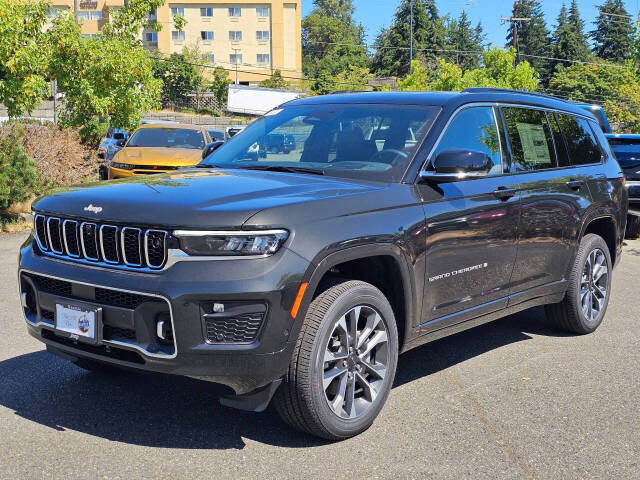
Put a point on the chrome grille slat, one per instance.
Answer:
(71, 245)
(89, 240)
(41, 232)
(55, 241)
(130, 245)
(151, 254)
(110, 253)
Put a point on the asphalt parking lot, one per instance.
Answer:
(512, 399)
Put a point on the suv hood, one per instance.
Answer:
(194, 198)
(168, 157)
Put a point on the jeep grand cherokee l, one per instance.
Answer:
(301, 279)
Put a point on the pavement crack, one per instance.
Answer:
(490, 427)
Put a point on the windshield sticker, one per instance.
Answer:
(480, 266)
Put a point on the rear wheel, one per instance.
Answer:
(344, 363)
(585, 303)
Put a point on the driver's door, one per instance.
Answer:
(471, 226)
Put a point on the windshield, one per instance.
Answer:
(167, 138)
(373, 142)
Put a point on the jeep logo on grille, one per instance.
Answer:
(91, 208)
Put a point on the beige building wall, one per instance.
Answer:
(277, 46)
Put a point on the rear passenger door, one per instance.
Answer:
(553, 195)
(471, 227)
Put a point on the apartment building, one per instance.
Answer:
(249, 38)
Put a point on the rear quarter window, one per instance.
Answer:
(581, 142)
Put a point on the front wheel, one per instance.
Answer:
(585, 303)
(343, 365)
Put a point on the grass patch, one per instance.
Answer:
(12, 223)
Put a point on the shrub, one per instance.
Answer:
(92, 132)
(19, 180)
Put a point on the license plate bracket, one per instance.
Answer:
(81, 322)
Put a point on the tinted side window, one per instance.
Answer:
(581, 142)
(474, 129)
(530, 139)
(560, 142)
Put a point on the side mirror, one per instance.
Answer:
(210, 148)
(121, 142)
(458, 164)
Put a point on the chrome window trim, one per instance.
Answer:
(111, 342)
(436, 144)
(124, 253)
(104, 258)
(61, 252)
(84, 251)
(35, 225)
(164, 248)
(64, 238)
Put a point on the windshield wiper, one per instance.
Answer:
(284, 168)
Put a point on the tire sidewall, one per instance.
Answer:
(360, 295)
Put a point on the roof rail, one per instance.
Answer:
(507, 90)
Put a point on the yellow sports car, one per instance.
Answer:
(157, 148)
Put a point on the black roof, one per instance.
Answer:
(445, 99)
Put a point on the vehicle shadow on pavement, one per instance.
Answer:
(177, 412)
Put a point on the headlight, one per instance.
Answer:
(123, 166)
(231, 243)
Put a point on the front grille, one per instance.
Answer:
(110, 244)
(52, 285)
(239, 329)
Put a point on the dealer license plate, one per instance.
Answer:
(78, 322)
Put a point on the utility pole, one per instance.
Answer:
(411, 38)
(235, 51)
(515, 20)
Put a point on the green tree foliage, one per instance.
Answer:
(126, 22)
(220, 85)
(107, 78)
(276, 80)
(18, 177)
(23, 56)
(613, 35)
(616, 89)
(462, 37)
(569, 41)
(354, 78)
(392, 44)
(498, 72)
(179, 77)
(533, 36)
(331, 42)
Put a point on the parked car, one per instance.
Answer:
(300, 280)
(217, 135)
(109, 146)
(157, 148)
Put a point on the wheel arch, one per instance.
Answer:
(604, 225)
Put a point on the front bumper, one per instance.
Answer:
(180, 294)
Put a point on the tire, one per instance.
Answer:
(303, 399)
(569, 314)
(633, 227)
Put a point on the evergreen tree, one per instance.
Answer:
(613, 35)
(332, 42)
(392, 54)
(569, 41)
(533, 35)
(461, 38)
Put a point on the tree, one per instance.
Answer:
(179, 77)
(460, 38)
(331, 42)
(276, 80)
(616, 88)
(220, 85)
(613, 35)
(392, 44)
(569, 41)
(533, 36)
(18, 177)
(498, 72)
(355, 78)
(126, 22)
(23, 55)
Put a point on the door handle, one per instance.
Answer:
(504, 193)
(575, 184)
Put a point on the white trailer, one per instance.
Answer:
(257, 100)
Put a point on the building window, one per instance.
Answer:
(207, 36)
(177, 35)
(235, 58)
(212, 58)
(235, 12)
(90, 15)
(235, 35)
(151, 37)
(262, 11)
(206, 12)
(177, 11)
(263, 58)
(262, 35)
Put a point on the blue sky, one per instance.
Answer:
(375, 14)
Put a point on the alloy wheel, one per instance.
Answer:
(355, 361)
(594, 284)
